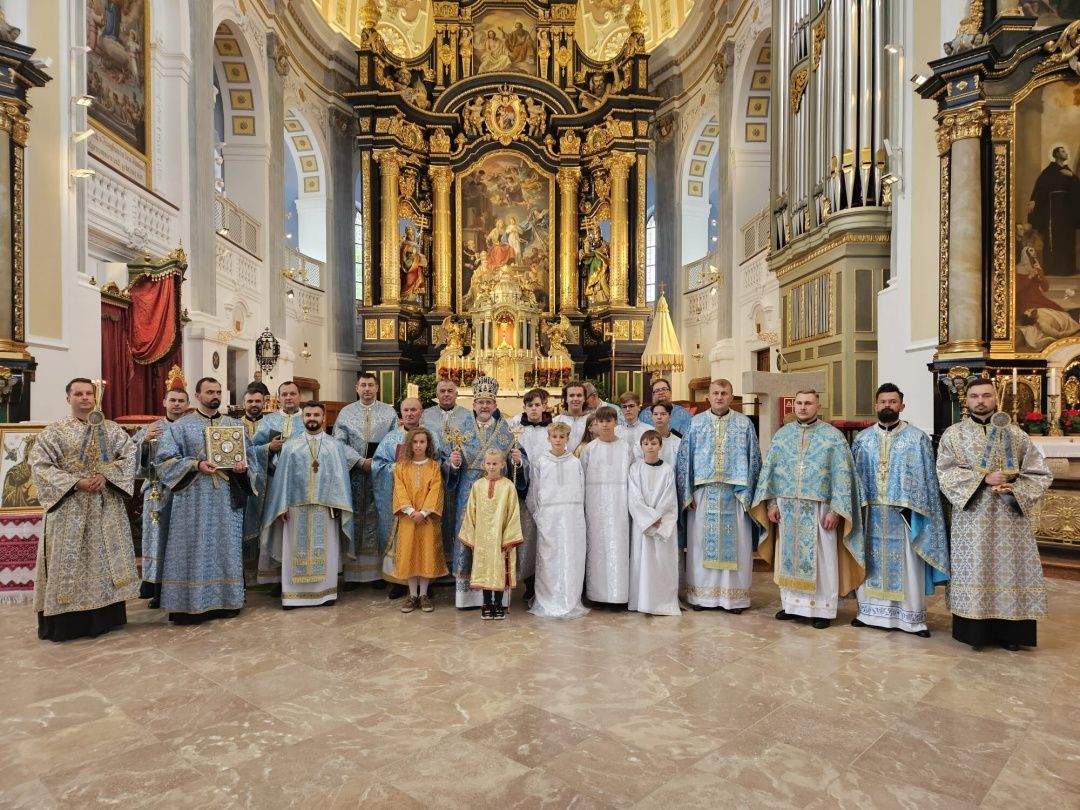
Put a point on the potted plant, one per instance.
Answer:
(1070, 421)
(1035, 423)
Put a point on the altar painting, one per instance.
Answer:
(117, 65)
(1046, 210)
(504, 216)
(1051, 12)
(415, 268)
(17, 490)
(505, 42)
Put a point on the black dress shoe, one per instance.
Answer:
(821, 624)
(856, 623)
(698, 607)
(350, 586)
(783, 616)
(736, 611)
(397, 591)
(154, 603)
(1011, 647)
(275, 592)
(923, 634)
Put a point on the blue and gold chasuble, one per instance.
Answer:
(202, 568)
(806, 466)
(311, 482)
(362, 427)
(896, 473)
(719, 454)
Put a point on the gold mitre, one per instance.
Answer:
(485, 387)
(175, 380)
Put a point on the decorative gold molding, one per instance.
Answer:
(943, 252)
(441, 179)
(440, 141)
(843, 239)
(569, 142)
(1002, 289)
(1002, 125)
(641, 224)
(1058, 518)
(819, 41)
(13, 122)
(18, 262)
(365, 216)
(967, 123)
(1063, 50)
(568, 179)
(799, 80)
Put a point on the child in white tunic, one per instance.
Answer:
(631, 430)
(557, 501)
(654, 545)
(606, 463)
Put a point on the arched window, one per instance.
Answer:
(650, 259)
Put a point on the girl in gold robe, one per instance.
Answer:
(416, 541)
(491, 528)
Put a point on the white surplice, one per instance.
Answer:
(631, 434)
(534, 443)
(577, 428)
(307, 594)
(822, 603)
(669, 450)
(654, 552)
(557, 500)
(607, 520)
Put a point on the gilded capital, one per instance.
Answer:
(618, 165)
(441, 178)
(568, 178)
(14, 122)
(968, 123)
(390, 161)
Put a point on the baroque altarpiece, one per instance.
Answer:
(503, 183)
(1008, 97)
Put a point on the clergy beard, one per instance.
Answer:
(887, 416)
(312, 426)
(213, 404)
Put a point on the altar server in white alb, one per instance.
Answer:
(654, 542)
(574, 413)
(309, 512)
(718, 466)
(606, 463)
(531, 433)
(631, 429)
(557, 502)
(907, 550)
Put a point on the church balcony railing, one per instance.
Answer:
(305, 269)
(237, 226)
(703, 272)
(755, 235)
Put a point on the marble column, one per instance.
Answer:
(277, 252)
(725, 215)
(17, 365)
(441, 178)
(202, 255)
(618, 166)
(568, 178)
(390, 162)
(666, 214)
(965, 233)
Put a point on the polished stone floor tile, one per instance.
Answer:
(360, 706)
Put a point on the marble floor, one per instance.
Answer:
(361, 706)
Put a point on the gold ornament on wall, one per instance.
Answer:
(505, 117)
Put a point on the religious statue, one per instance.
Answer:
(466, 50)
(543, 51)
(595, 259)
(413, 266)
(558, 332)
(535, 117)
(594, 96)
(472, 117)
(455, 330)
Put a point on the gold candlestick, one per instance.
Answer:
(1055, 415)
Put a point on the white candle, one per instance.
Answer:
(1014, 383)
(1052, 382)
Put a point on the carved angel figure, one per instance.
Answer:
(455, 332)
(472, 115)
(559, 332)
(535, 117)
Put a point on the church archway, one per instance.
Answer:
(699, 189)
(306, 187)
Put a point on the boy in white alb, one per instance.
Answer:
(632, 428)
(654, 542)
(606, 463)
(557, 502)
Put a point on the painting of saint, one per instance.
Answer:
(504, 208)
(506, 42)
(413, 265)
(18, 489)
(1047, 213)
(116, 69)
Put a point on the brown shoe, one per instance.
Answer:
(425, 604)
(411, 604)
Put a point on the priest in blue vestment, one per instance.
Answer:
(907, 550)
(156, 498)
(274, 430)
(716, 472)
(485, 430)
(362, 425)
(309, 512)
(442, 419)
(202, 570)
(807, 500)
